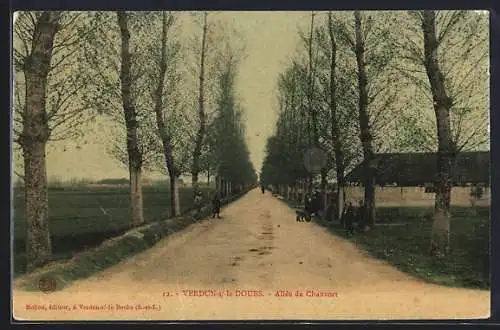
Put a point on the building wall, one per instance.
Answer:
(415, 196)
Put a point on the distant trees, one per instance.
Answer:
(384, 81)
(333, 101)
(230, 152)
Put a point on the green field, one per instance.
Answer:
(82, 217)
(402, 238)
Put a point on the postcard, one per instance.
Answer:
(293, 165)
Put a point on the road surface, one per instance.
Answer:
(258, 253)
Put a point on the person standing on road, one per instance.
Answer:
(216, 206)
(361, 215)
(316, 203)
(348, 219)
(308, 205)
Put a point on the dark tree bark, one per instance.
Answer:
(313, 122)
(130, 114)
(160, 122)
(440, 236)
(33, 141)
(336, 136)
(364, 124)
(200, 136)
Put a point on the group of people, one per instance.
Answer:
(216, 203)
(350, 214)
(313, 203)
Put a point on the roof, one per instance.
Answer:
(415, 169)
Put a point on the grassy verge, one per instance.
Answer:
(112, 251)
(402, 239)
(82, 217)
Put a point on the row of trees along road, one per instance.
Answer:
(362, 83)
(163, 83)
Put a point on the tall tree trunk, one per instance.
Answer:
(440, 237)
(324, 191)
(160, 121)
(312, 111)
(176, 199)
(364, 124)
(340, 170)
(200, 136)
(336, 136)
(34, 139)
(130, 114)
(304, 190)
(135, 173)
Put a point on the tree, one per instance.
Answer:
(135, 159)
(372, 43)
(167, 21)
(334, 117)
(233, 166)
(200, 136)
(449, 67)
(292, 134)
(34, 138)
(51, 83)
(122, 88)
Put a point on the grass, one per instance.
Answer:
(82, 217)
(111, 252)
(405, 244)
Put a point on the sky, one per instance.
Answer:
(270, 38)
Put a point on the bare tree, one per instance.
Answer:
(336, 136)
(200, 136)
(462, 55)
(445, 57)
(135, 160)
(50, 104)
(34, 138)
(372, 43)
(166, 140)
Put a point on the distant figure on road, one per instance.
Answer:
(262, 188)
(216, 206)
(348, 219)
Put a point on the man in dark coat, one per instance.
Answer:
(360, 215)
(348, 219)
(316, 202)
(216, 206)
(308, 205)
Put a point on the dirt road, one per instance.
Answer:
(232, 268)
